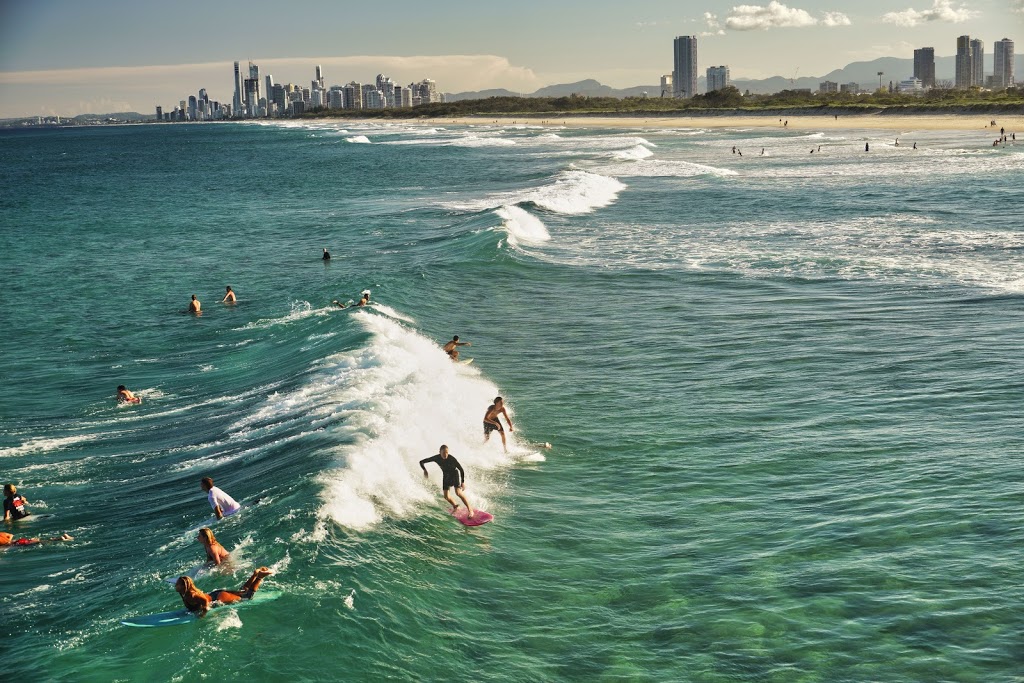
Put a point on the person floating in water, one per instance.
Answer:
(125, 396)
(327, 255)
(215, 552)
(199, 603)
(223, 505)
(15, 504)
(451, 348)
(493, 424)
(452, 477)
(194, 306)
(8, 539)
(366, 298)
(229, 297)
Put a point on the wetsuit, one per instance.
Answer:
(15, 505)
(453, 474)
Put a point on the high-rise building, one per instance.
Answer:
(268, 82)
(666, 85)
(1002, 74)
(254, 75)
(977, 62)
(718, 78)
(159, 113)
(853, 88)
(336, 97)
(684, 70)
(236, 104)
(320, 77)
(354, 96)
(964, 71)
(924, 66)
(193, 105)
(828, 87)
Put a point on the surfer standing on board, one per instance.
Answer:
(493, 424)
(451, 347)
(453, 476)
(222, 503)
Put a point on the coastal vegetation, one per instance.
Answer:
(941, 100)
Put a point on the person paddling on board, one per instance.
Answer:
(366, 298)
(493, 424)
(125, 396)
(215, 552)
(15, 504)
(198, 602)
(8, 539)
(451, 348)
(194, 306)
(229, 297)
(223, 505)
(453, 476)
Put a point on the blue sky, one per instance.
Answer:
(59, 56)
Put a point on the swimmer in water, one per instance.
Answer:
(327, 255)
(229, 297)
(125, 396)
(215, 552)
(199, 603)
(451, 348)
(194, 306)
(8, 539)
(452, 477)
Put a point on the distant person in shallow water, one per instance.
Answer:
(8, 539)
(493, 424)
(15, 504)
(451, 348)
(125, 396)
(327, 255)
(215, 552)
(198, 602)
(452, 477)
(194, 306)
(229, 296)
(223, 505)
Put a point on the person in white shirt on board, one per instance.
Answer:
(222, 504)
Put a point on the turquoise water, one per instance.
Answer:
(782, 391)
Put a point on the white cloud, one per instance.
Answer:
(715, 28)
(777, 15)
(941, 10)
(1017, 6)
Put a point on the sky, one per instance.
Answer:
(64, 57)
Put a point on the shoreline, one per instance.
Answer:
(802, 122)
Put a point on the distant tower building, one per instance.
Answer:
(269, 91)
(192, 105)
(853, 88)
(964, 71)
(354, 96)
(336, 97)
(718, 78)
(236, 104)
(684, 72)
(828, 87)
(320, 77)
(666, 85)
(924, 66)
(1002, 75)
(159, 113)
(977, 62)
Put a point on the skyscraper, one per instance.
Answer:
(718, 78)
(1002, 75)
(684, 69)
(236, 104)
(924, 66)
(977, 62)
(964, 72)
(319, 77)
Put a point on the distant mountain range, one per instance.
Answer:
(863, 73)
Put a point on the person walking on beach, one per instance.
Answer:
(223, 505)
(451, 348)
(15, 505)
(327, 255)
(125, 396)
(493, 424)
(215, 553)
(229, 297)
(194, 306)
(452, 477)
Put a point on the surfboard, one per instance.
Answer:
(183, 616)
(467, 361)
(479, 516)
(33, 517)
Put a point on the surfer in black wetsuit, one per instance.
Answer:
(327, 255)
(453, 476)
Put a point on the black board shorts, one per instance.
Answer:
(450, 482)
(489, 427)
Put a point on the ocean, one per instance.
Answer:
(782, 393)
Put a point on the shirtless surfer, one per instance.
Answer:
(365, 300)
(451, 348)
(493, 424)
(229, 297)
(126, 396)
(452, 476)
(194, 306)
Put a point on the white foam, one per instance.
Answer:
(576, 192)
(476, 141)
(659, 168)
(359, 139)
(522, 226)
(43, 444)
(391, 313)
(633, 153)
(299, 310)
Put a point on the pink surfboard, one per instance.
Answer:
(479, 516)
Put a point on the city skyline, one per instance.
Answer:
(64, 58)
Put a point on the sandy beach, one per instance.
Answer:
(898, 123)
